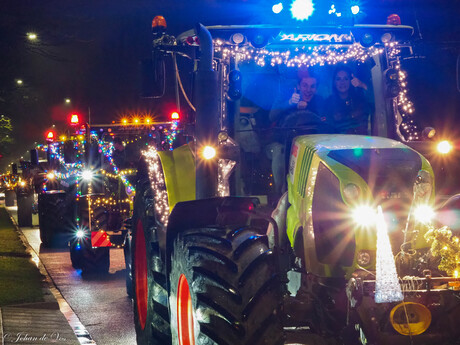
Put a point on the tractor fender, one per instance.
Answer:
(205, 212)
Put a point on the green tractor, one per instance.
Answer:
(343, 256)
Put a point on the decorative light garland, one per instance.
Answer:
(107, 150)
(402, 102)
(225, 168)
(157, 183)
(387, 287)
(445, 247)
(300, 56)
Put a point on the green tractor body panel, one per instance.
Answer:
(179, 173)
(381, 171)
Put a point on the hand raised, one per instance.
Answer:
(295, 98)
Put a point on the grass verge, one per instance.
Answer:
(20, 279)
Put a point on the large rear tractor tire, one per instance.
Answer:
(224, 288)
(10, 195)
(52, 215)
(151, 316)
(25, 206)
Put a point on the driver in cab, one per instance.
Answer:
(304, 99)
(304, 107)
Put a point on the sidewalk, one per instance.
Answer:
(41, 321)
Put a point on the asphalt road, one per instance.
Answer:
(99, 301)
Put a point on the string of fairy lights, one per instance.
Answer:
(404, 105)
(300, 56)
(157, 183)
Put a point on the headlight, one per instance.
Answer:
(22, 183)
(87, 175)
(50, 176)
(424, 213)
(444, 147)
(351, 192)
(209, 152)
(364, 215)
(80, 234)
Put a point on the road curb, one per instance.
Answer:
(1, 328)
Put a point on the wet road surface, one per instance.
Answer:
(99, 301)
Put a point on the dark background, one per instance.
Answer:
(89, 50)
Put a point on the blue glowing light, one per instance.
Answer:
(277, 8)
(302, 9)
(354, 9)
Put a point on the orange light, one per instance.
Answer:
(393, 19)
(148, 120)
(159, 21)
(124, 121)
(74, 119)
(175, 116)
(136, 120)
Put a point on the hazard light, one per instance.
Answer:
(74, 119)
(50, 135)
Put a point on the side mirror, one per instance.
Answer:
(70, 153)
(153, 76)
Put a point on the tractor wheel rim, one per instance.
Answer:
(140, 275)
(184, 313)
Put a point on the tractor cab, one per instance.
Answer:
(258, 68)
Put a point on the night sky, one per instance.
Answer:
(89, 50)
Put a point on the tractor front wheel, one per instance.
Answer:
(224, 289)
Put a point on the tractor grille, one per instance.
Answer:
(305, 169)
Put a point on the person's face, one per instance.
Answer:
(118, 146)
(342, 82)
(307, 88)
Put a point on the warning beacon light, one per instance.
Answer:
(175, 116)
(50, 136)
(74, 119)
(159, 21)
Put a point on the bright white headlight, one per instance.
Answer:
(364, 215)
(80, 234)
(424, 213)
(87, 175)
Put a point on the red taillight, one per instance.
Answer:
(175, 116)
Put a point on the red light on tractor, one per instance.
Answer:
(175, 116)
(74, 119)
(50, 136)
